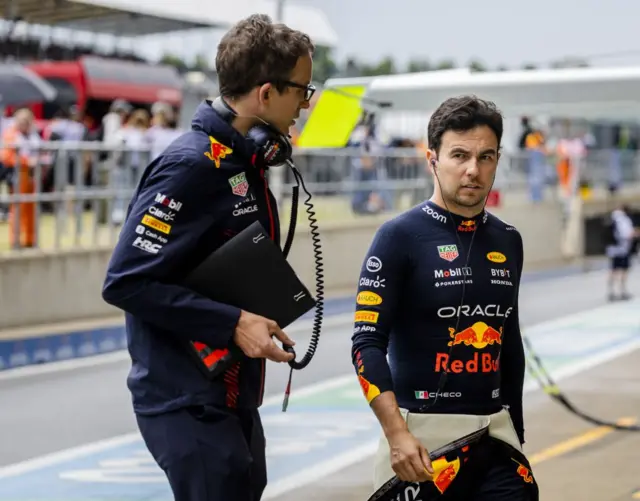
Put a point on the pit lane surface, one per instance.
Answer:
(53, 411)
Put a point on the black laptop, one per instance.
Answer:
(250, 272)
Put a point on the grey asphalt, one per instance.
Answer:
(46, 413)
(607, 469)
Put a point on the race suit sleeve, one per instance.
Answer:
(513, 360)
(171, 211)
(379, 286)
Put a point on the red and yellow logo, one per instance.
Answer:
(444, 472)
(468, 225)
(479, 335)
(367, 316)
(156, 224)
(496, 257)
(217, 151)
(368, 298)
(370, 391)
(524, 472)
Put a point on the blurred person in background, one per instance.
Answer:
(571, 151)
(622, 243)
(113, 121)
(67, 127)
(162, 131)
(130, 160)
(536, 160)
(19, 155)
(367, 169)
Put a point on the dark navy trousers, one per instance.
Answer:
(209, 453)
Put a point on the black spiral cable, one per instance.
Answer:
(319, 274)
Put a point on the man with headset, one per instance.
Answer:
(438, 293)
(206, 187)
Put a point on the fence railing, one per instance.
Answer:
(76, 194)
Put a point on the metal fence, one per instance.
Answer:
(76, 194)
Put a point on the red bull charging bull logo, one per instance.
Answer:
(444, 473)
(524, 472)
(469, 225)
(217, 151)
(479, 336)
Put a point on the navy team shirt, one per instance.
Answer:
(410, 295)
(200, 192)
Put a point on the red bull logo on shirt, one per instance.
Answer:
(217, 151)
(479, 336)
(524, 472)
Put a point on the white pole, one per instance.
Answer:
(276, 176)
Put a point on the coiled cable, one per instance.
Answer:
(319, 276)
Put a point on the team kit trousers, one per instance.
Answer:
(492, 467)
(209, 453)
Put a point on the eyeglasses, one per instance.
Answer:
(309, 90)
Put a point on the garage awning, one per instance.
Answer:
(136, 82)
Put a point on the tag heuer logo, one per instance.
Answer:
(448, 252)
(239, 185)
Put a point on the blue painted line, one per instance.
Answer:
(82, 343)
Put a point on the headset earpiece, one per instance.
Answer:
(274, 148)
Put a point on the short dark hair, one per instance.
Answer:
(463, 113)
(256, 51)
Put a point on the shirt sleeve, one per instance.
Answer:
(379, 286)
(513, 360)
(169, 214)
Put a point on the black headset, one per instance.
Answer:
(273, 147)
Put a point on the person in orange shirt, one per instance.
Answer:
(536, 160)
(18, 141)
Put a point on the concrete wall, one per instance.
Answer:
(47, 287)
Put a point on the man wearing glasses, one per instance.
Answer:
(206, 187)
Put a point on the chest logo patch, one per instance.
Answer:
(239, 184)
(217, 151)
(448, 252)
(496, 257)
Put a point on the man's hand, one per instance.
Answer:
(409, 459)
(253, 335)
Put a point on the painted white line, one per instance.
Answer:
(67, 455)
(102, 445)
(321, 470)
(300, 330)
(589, 363)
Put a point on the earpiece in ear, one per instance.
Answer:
(433, 163)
